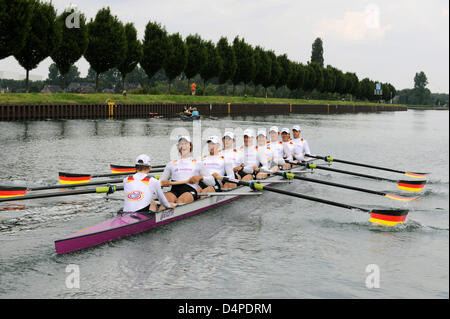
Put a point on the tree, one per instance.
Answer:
(15, 18)
(329, 79)
(245, 63)
(176, 58)
(228, 57)
(56, 78)
(197, 55)
(107, 42)
(366, 89)
(263, 66)
(317, 52)
(275, 70)
(133, 53)
(320, 80)
(42, 39)
(73, 44)
(285, 65)
(213, 66)
(154, 48)
(296, 77)
(420, 80)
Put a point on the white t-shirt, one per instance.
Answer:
(184, 168)
(139, 190)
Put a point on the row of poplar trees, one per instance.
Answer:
(31, 31)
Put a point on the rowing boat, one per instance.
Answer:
(126, 224)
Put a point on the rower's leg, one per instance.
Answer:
(229, 185)
(247, 177)
(185, 198)
(261, 175)
(171, 198)
(287, 166)
(208, 189)
(153, 206)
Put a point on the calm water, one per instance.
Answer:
(271, 247)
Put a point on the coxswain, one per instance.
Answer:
(140, 188)
(188, 169)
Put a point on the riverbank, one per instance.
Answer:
(71, 98)
(428, 107)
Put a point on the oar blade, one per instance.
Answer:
(411, 186)
(388, 217)
(70, 178)
(401, 198)
(11, 191)
(417, 175)
(118, 169)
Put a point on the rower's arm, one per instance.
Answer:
(166, 173)
(156, 185)
(208, 179)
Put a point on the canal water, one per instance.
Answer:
(272, 246)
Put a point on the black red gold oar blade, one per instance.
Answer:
(70, 178)
(411, 186)
(401, 198)
(417, 175)
(117, 169)
(388, 217)
(11, 191)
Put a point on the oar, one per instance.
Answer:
(358, 189)
(331, 159)
(119, 169)
(412, 186)
(73, 178)
(109, 189)
(16, 191)
(386, 217)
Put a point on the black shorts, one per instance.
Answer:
(241, 173)
(217, 186)
(179, 190)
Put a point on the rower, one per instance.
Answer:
(277, 149)
(185, 169)
(264, 154)
(186, 111)
(231, 156)
(140, 188)
(297, 140)
(250, 159)
(216, 166)
(288, 145)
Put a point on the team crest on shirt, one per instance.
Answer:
(135, 196)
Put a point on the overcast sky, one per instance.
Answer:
(387, 41)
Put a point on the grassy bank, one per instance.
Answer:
(427, 107)
(67, 98)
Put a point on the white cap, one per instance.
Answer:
(297, 128)
(261, 132)
(143, 160)
(229, 134)
(274, 128)
(187, 138)
(249, 132)
(285, 130)
(214, 139)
